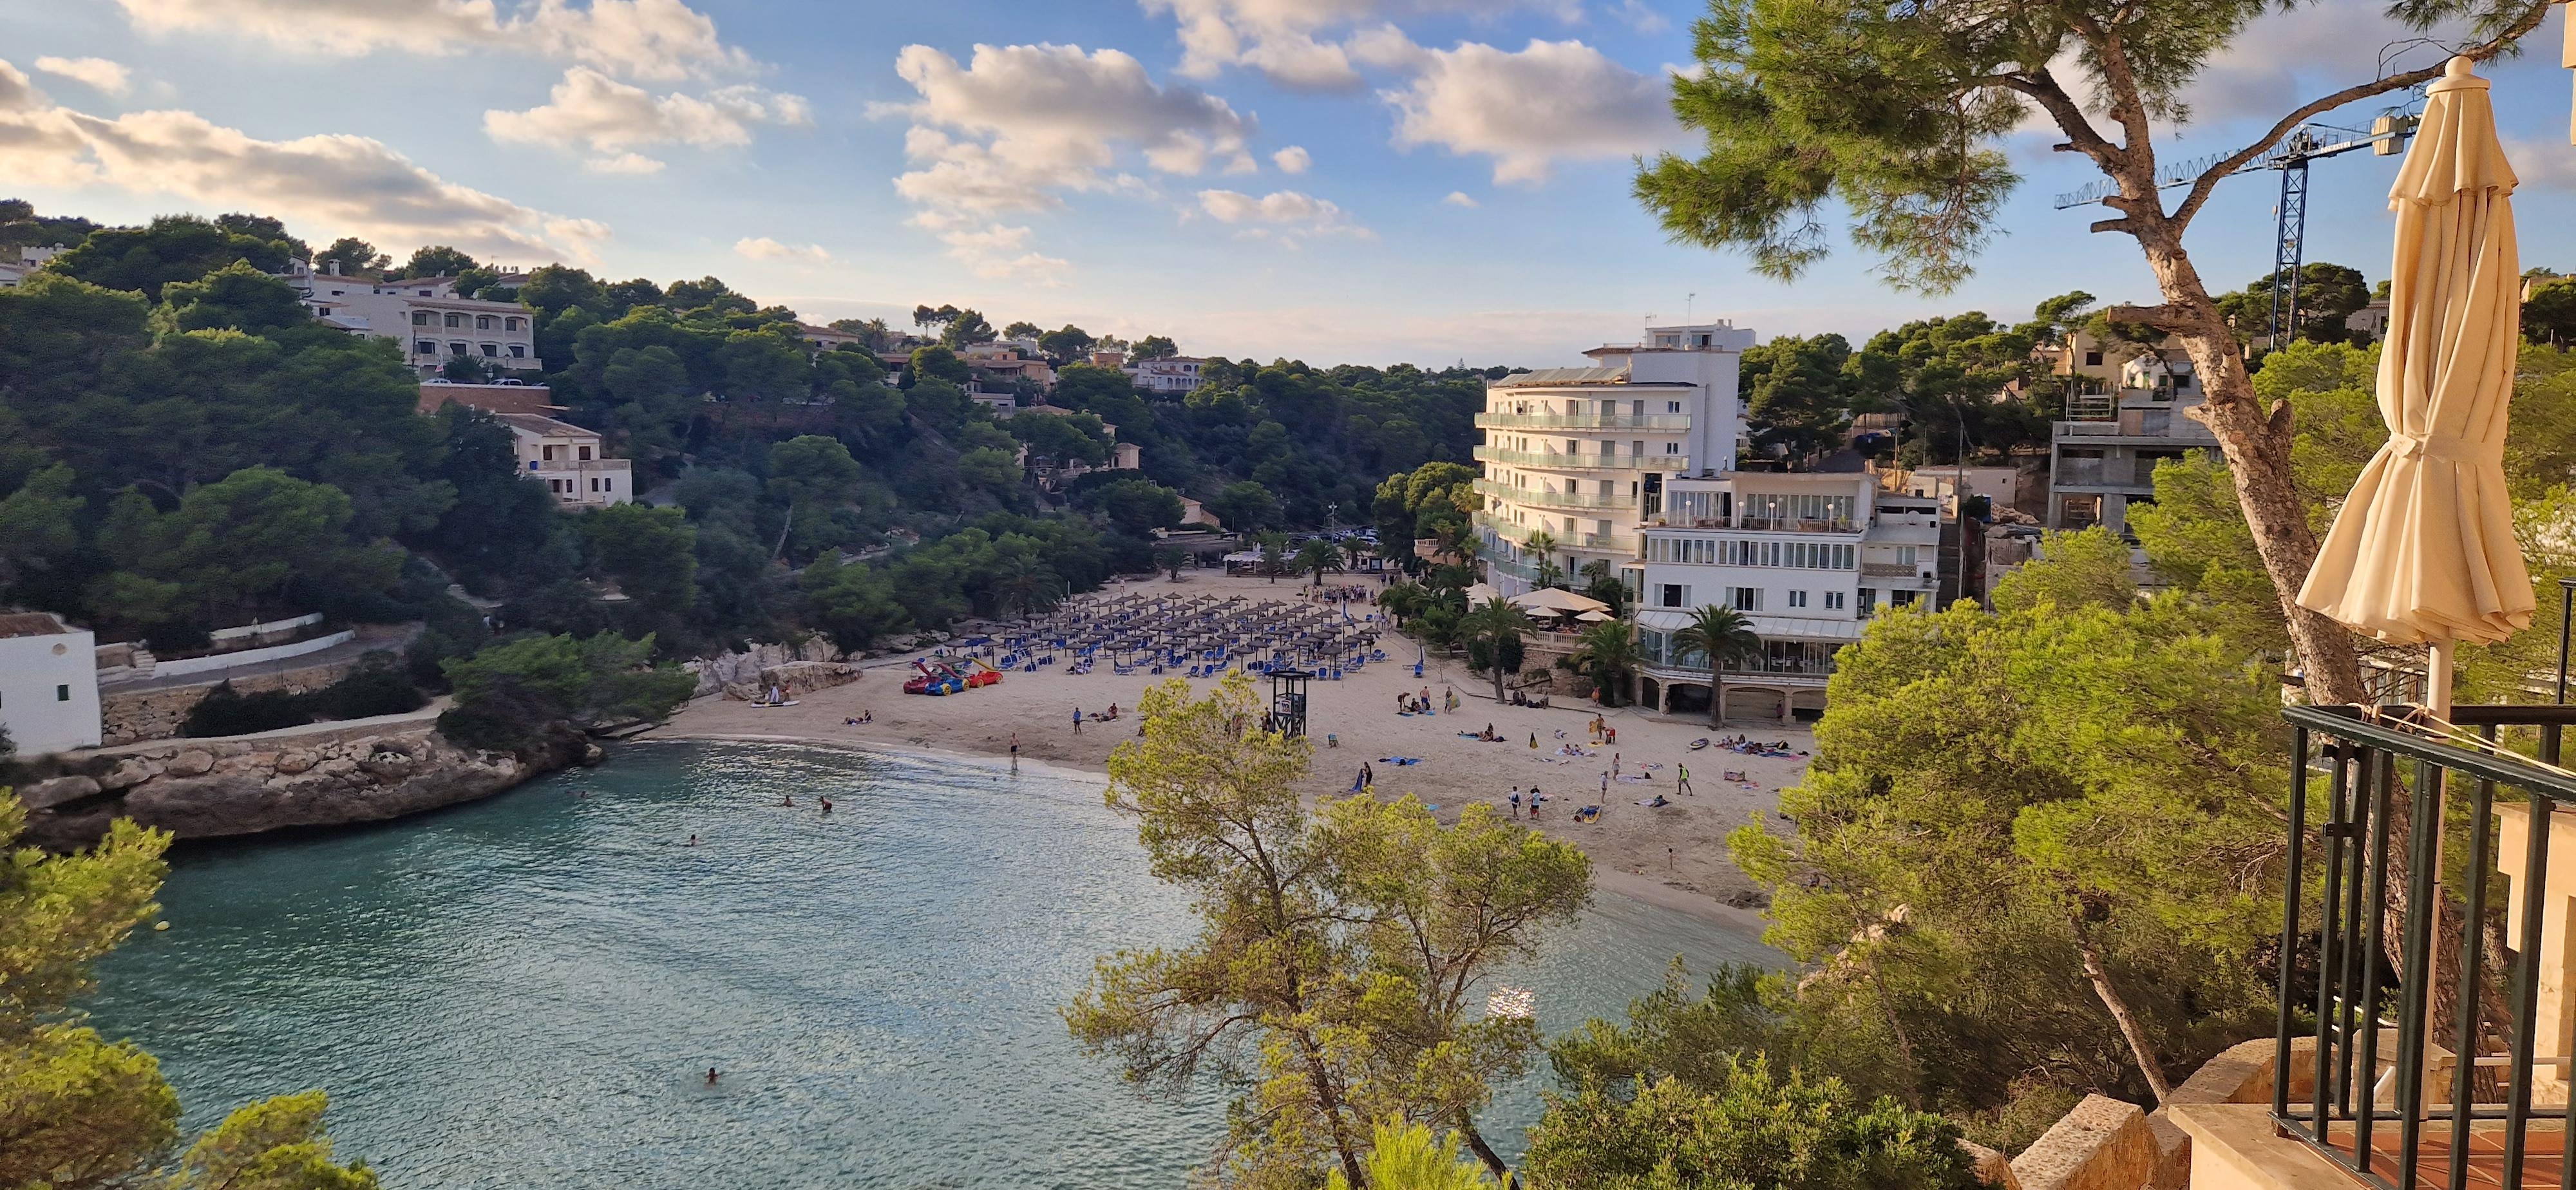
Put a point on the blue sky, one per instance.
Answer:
(1365, 181)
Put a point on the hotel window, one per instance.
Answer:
(1675, 595)
(518, 351)
(1900, 598)
(458, 349)
(1637, 448)
(1744, 599)
(2092, 359)
(547, 453)
(1797, 599)
(1672, 406)
(485, 322)
(585, 454)
(492, 350)
(517, 323)
(421, 318)
(1672, 448)
(456, 320)
(1574, 408)
(1636, 409)
(424, 347)
(1833, 601)
(62, 694)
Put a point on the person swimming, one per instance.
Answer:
(711, 1076)
(693, 841)
(827, 805)
(788, 800)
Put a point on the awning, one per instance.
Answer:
(1561, 602)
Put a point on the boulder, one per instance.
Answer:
(192, 762)
(291, 763)
(60, 791)
(129, 772)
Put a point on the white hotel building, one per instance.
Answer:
(1633, 461)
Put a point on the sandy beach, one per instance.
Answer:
(1674, 855)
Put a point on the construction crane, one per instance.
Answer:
(2308, 142)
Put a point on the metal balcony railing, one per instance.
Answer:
(2394, 1090)
(1607, 421)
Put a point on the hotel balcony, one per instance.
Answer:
(1668, 422)
(1538, 498)
(1624, 544)
(1751, 524)
(1567, 462)
(2388, 1067)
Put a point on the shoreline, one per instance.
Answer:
(1632, 885)
(1674, 856)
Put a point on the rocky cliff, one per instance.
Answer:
(805, 666)
(196, 789)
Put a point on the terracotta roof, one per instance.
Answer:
(30, 624)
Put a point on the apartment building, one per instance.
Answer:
(1575, 458)
(1807, 556)
(572, 461)
(21, 261)
(2103, 457)
(426, 316)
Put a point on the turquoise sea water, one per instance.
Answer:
(527, 992)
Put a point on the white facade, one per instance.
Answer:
(427, 318)
(23, 262)
(571, 461)
(1809, 557)
(1165, 377)
(48, 683)
(1583, 454)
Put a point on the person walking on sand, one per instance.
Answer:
(1015, 751)
(1535, 799)
(1077, 720)
(1685, 779)
(1605, 785)
(1516, 801)
(1614, 764)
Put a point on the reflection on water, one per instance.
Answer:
(527, 992)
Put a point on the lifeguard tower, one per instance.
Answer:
(1288, 701)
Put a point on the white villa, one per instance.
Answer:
(426, 315)
(571, 460)
(48, 683)
(1632, 462)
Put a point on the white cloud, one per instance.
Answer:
(765, 248)
(1017, 122)
(1460, 198)
(1285, 215)
(106, 77)
(2541, 164)
(335, 184)
(992, 250)
(1290, 40)
(1553, 101)
(650, 39)
(1292, 160)
(593, 110)
(632, 164)
(1640, 17)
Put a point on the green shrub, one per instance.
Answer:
(377, 687)
(224, 711)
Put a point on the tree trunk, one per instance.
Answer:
(2257, 447)
(1484, 1152)
(2136, 1034)
(1716, 698)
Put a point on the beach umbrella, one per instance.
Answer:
(2423, 551)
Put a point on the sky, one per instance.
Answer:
(1338, 181)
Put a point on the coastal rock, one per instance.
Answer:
(592, 754)
(1748, 898)
(194, 762)
(329, 780)
(45, 795)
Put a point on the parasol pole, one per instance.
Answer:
(2437, 678)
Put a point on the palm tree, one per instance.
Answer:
(1721, 634)
(1404, 600)
(1493, 624)
(1274, 553)
(1542, 545)
(1319, 556)
(1028, 583)
(1607, 654)
(1601, 585)
(1354, 549)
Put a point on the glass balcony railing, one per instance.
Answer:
(1559, 421)
(1567, 462)
(1539, 498)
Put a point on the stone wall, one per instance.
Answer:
(365, 771)
(132, 716)
(2105, 1144)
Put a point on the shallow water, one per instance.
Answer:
(527, 992)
